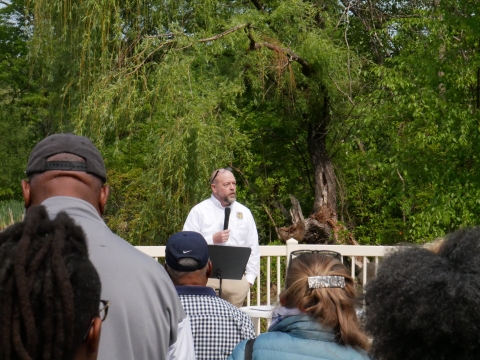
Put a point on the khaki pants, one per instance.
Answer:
(234, 291)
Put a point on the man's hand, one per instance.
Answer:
(221, 237)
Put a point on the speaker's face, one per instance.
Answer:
(224, 188)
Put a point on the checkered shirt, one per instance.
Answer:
(217, 325)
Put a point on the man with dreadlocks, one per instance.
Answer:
(67, 173)
(49, 291)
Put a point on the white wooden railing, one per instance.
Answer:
(282, 253)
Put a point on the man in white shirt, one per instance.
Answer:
(208, 219)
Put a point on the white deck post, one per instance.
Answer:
(290, 243)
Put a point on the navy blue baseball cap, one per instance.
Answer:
(186, 244)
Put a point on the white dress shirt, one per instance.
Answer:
(207, 219)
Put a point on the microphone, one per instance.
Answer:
(227, 217)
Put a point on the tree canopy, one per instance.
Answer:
(368, 108)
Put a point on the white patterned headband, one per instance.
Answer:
(317, 282)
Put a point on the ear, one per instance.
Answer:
(209, 268)
(93, 339)
(213, 187)
(282, 301)
(102, 201)
(26, 193)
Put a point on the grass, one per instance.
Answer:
(11, 211)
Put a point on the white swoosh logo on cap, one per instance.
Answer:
(187, 251)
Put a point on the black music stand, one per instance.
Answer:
(228, 262)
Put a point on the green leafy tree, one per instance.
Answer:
(23, 108)
(413, 169)
(171, 90)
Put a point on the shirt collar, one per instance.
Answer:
(195, 290)
(218, 204)
(73, 206)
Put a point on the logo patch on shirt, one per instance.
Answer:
(239, 215)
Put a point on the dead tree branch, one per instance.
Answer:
(307, 70)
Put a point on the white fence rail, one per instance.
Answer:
(372, 253)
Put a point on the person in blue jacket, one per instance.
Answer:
(316, 317)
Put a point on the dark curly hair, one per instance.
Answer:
(426, 306)
(49, 289)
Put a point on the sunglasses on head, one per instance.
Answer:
(220, 171)
(330, 253)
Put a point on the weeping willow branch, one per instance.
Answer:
(148, 57)
(172, 41)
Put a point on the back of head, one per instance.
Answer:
(331, 306)
(42, 156)
(187, 258)
(66, 165)
(49, 289)
(424, 305)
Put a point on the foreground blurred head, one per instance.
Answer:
(424, 305)
(333, 307)
(49, 290)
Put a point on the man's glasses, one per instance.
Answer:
(101, 313)
(220, 171)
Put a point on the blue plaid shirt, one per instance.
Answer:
(217, 325)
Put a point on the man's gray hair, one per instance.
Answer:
(189, 262)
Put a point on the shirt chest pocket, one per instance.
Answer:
(241, 229)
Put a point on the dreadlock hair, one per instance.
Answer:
(425, 305)
(49, 289)
(333, 307)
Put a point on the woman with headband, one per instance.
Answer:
(316, 318)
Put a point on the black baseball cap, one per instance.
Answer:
(66, 143)
(186, 244)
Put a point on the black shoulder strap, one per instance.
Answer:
(249, 349)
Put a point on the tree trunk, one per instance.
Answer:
(325, 180)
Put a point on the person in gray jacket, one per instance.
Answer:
(316, 319)
(146, 319)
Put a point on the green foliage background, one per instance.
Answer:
(167, 96)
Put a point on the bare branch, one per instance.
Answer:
(271, 220)
(4, 3)
(343, 92)
(170, 36)
(229, 31)
(403, 190)
(345, 13)
(348, 56)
